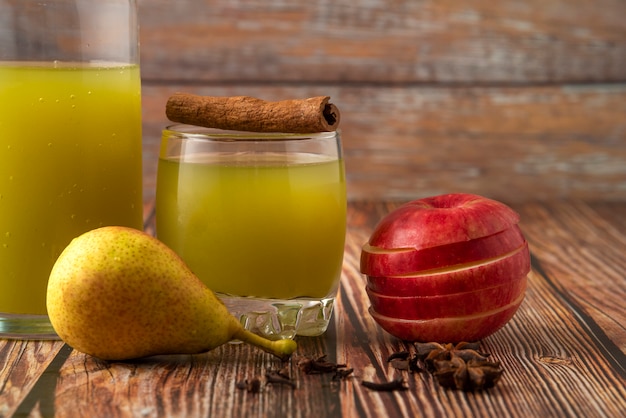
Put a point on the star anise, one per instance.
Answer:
(474, 374)
(429, 353)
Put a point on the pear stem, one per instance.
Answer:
(280, 348)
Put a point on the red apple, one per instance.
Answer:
(446, 268)
(456, 279)
(453, 329)
(441, 220)
(389, 262)
(448, 305)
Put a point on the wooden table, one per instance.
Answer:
(563, 353)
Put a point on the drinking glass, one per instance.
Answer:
(70, 140)
(260, 218)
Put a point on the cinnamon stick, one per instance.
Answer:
(243, 113)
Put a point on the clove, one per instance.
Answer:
(320, 366)
(390, 386)
(252, 386)
(275, 377)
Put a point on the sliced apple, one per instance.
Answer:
(380, 262)
(456, 279)
(453, 329)
(441, 220)
(451, 305)
(446, 268)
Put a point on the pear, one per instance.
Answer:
(118, 293)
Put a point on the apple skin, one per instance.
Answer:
(449, 218)
(375, 262)
(452, 329)
(466, 278)
(447, 268)
(450, 305)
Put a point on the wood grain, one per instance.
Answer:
(193, 386)
(397, 41)
(520, 101)
(513, 100)
(22, 364)
(591, 244)
(508, 143)
(563, 352)
(545, 349)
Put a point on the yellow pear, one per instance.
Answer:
(118, 293)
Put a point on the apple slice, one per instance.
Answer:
(451, 305)
(442, 220)
(456, 279)
(379, 262)
(453, 329)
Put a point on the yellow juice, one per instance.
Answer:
(70, 161)
(269, 227)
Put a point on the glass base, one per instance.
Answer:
(277, 319)
(26, 327)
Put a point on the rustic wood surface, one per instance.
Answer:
(511, 144)
(564, 352)
(444, 41)
(509, 99)
(524, 102)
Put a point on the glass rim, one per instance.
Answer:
(181, 130)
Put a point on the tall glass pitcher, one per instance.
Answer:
(70, 140)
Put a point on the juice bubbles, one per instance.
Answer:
(264, 228)
(70, 161)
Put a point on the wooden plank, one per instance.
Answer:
(512, 144)
(573, 238)
(22, 364)
(191, 386)
(554, 363)
(448, 41)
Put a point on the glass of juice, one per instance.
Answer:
(260, 218)
(70, 141)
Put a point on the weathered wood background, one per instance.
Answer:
(520, 100)
(512, 99)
